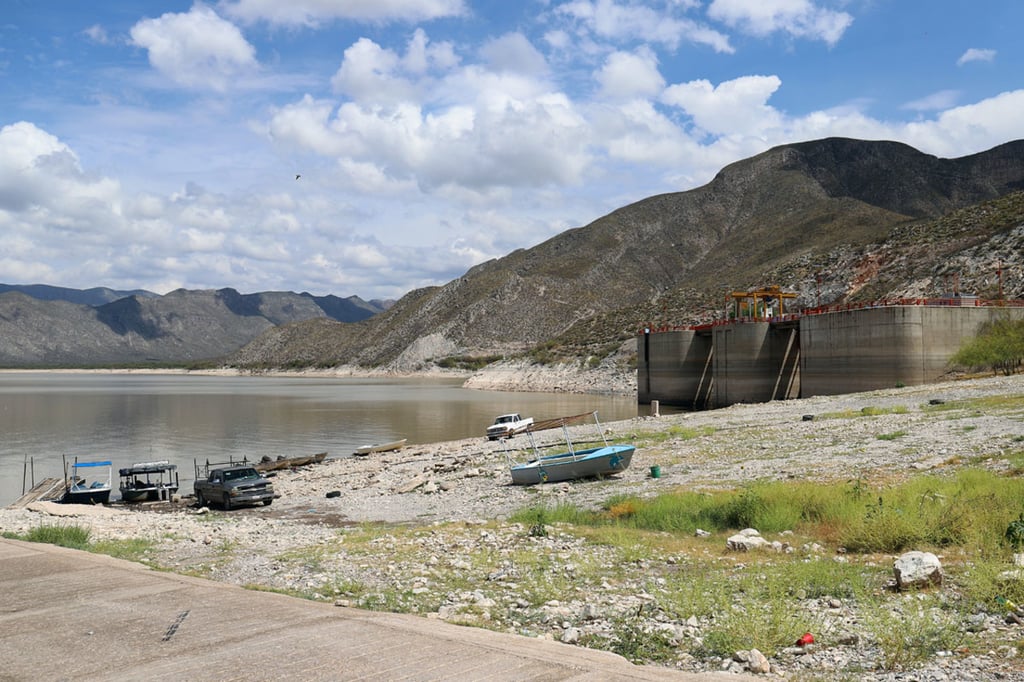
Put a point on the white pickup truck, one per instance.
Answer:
(508, 425)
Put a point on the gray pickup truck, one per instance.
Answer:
(232, 486)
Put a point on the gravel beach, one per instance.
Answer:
(403, 523)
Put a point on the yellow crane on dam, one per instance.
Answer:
(760, 303)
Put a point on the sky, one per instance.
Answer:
(372, 147)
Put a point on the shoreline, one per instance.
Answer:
(516, 377)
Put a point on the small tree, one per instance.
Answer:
(999, 345)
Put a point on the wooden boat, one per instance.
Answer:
(289, 462)
(148, 481)
(381, 447)
(573, 463)
(80, 490)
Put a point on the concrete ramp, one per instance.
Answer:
(68, 614)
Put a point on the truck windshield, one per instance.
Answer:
(240, 473)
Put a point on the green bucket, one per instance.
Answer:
(655, 471)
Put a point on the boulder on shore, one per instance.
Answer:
(917, 569)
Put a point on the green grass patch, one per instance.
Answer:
(891, 436)
(134, 549)
(971, 508)
(869, 411)
(75, 537)
(675, 432)
(984, 404)
(912, 631)
(79, 537)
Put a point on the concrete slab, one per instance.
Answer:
(69, 614)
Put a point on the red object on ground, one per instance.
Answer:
(808, 638)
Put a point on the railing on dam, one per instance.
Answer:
(955, 302)
(948, 302)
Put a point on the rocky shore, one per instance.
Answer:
(426, 529)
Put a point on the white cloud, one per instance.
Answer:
(976, 55)
(513, 52)
(303, 124)
(629, 21)
(42, 175)
(937, 101)
(97, 34)
(735, 107)
(474, 128)
(798, 18)
(637, 133)
(625, 75)
(369, 72)
(197, 49)
(968, 128)
(422, 55)
(314, 12)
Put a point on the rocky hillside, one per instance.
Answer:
(49, 330)
(834, 220)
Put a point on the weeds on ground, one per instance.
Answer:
(912, 630)
(675, 432)
(869, 411)
(635, 643)
(79, 537)
(134, 549)
(767, 601)
(72, 536)
(971, 508)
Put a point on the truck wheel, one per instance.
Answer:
(266, 503)
(200, 500)
(227, 502)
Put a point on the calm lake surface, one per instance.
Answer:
(130, 418)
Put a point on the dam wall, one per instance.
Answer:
(675, 363)
(798, 356)
(883, 347)
(755, 362)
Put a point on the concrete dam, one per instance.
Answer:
(762, 353)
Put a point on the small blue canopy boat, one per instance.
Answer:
(79, 489)
(574, 463)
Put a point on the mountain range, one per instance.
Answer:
(44, 326)
(834, 220)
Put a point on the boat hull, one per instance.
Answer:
(151, 494)
(567, 466)
(382, 447)
(289, 462)
(87, 496)
(149, 481)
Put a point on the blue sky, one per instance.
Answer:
(156, 144)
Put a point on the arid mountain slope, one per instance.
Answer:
(805, 216)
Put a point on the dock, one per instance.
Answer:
(48, 489)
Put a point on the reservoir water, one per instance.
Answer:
(129, 418)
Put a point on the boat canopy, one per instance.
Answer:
(148, 468)
(81, 465)
(559, 422)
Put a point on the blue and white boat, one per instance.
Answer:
(88, 482)
(573, 463)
